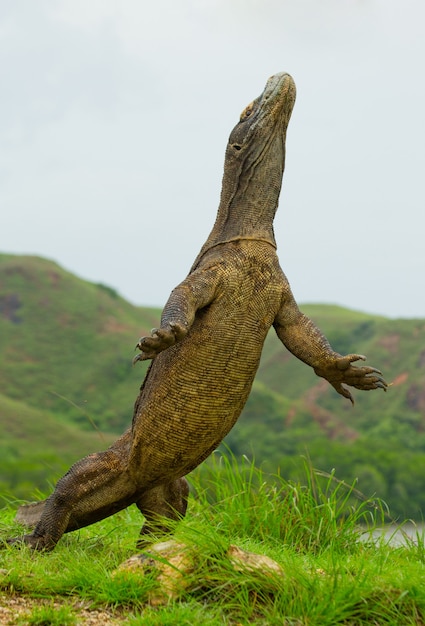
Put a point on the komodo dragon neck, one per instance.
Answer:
(253, 167)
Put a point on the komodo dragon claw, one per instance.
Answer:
(159, 340)
(378, 381)
(340, 371)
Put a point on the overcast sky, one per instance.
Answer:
(115, 117)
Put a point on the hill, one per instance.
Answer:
(36, 447)
(67, 344)
(65, 363)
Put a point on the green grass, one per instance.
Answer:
(49, 616)
(312, 530)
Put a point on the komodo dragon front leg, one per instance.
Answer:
(300, 335)
(195, 292)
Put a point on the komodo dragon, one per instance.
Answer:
(207, 349)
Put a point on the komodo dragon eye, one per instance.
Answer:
(239, 133)
(246, 112)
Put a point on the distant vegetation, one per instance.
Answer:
(65, 366)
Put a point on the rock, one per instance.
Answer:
(251, 562)
(174, 563)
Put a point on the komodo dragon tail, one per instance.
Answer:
(29, 514)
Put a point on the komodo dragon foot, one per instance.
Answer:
(160, 339)
(33, 542)
(340, 370)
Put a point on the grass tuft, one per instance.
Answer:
(49, 616)
(328, 575)
(320, 514)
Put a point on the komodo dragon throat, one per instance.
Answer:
(207, 349)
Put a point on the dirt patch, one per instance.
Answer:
(416, 398)
(14, 608)
(391, 343)
(400, 379)
(112, 325)
(331, 424)
(10, 304)
(421, 360)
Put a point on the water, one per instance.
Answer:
(400, 535)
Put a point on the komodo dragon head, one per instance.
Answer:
(253, 167)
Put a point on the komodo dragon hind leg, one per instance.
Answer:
(94, 488)
(167, 501)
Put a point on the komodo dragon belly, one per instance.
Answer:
(197, 389)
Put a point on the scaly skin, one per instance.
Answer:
(207, 350)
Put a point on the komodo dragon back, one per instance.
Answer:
(206, 352)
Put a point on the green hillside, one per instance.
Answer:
(35, 447)
(67, 344)
(65, 364)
